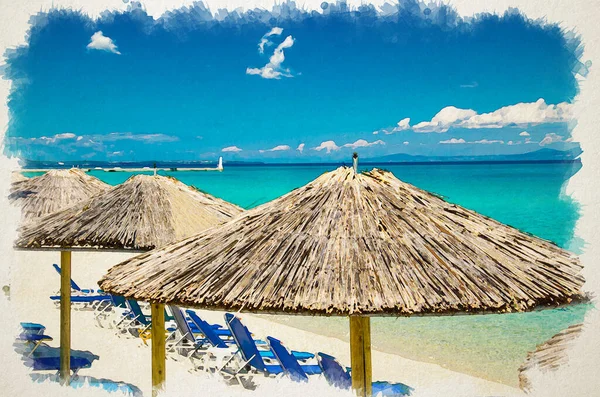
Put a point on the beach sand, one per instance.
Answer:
(33, 280)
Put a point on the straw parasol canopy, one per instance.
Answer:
(550, 355)
(16, 177)
(354, 244)
(142, 213)
(55, 190)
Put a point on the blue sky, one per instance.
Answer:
(192, 87)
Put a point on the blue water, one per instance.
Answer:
(527, 196)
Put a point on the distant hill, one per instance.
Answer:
(538, 155)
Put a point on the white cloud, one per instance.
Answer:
(462, 141)
(363, 143)
(330, 146)
(520, 115)
(264, 41)
(121, 136)
(65, 135)
(273, 69)
(278, 148)
(118, 153)
(524, 133)
(96, 140)
(100, 42)
(551, 138)
(453, 141)
(405, 142)
(327, 145)
(402, 125)
(53, 139)
(444, 119)
(231, 149)
(102, 143)
(487, 142)
(300, 148)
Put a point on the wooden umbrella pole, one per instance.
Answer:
(65, 317)
(360, 355)
(158, 348)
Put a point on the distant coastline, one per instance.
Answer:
(128, 166)
(542, 156)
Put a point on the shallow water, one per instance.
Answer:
(527, 196)
(488, 346)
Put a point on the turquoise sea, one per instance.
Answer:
(527, 196)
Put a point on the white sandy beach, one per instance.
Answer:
(33, 280)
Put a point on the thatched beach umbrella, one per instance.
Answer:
(53, 191)
(356, 245)
(16, 177)
(550, 355)
(142, 213)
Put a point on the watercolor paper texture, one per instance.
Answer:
(487, 105)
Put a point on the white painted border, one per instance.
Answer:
(578, 379)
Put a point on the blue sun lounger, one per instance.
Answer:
(290, 365)
(136, 313)
(104, 308)
(250, 354)
(118, 301)
(52, 363)
(33, 328)
(47, 358)
(32, 336)
(83, 298)
(134, 318)
(27, 337)
(49, 351)
(36, 340)
(337, 376)
(193, 327)
(212, 334)
(74, 285)
(112, 301)
(264, 353)
(195, 320)
(187, 333)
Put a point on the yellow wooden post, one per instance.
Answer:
(158, 347)
(65, 317)
(360, 355)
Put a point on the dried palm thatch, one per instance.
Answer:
(351, 244)
(142, 213)
(55, 190)
(16, 177)
(550, 355)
